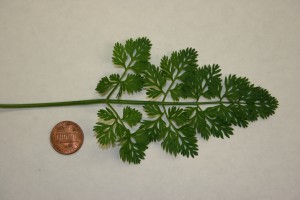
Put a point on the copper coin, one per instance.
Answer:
(66, 137)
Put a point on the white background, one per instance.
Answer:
(58, 50)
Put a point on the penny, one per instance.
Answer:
(66, 137)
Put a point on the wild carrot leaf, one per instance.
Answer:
(215, 108)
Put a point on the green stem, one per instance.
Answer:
(111, 101)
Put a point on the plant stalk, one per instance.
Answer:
(104, 101)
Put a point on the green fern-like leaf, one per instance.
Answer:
(182, 101)
(201, 102)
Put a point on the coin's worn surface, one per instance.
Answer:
(66, 137)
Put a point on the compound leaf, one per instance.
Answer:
(105, 134)
(132, 84)
(184, 60)
(182, 140)
(119, 55)
(204, 81)
(133, 147)
(154, 129)
(168, 70)
(152, 110)
(139, 49)
(177, 92)
(106, 114)
(131, 116)
(232, 102)
(154, 80)
(178, 115)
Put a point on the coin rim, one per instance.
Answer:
(53, 146)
